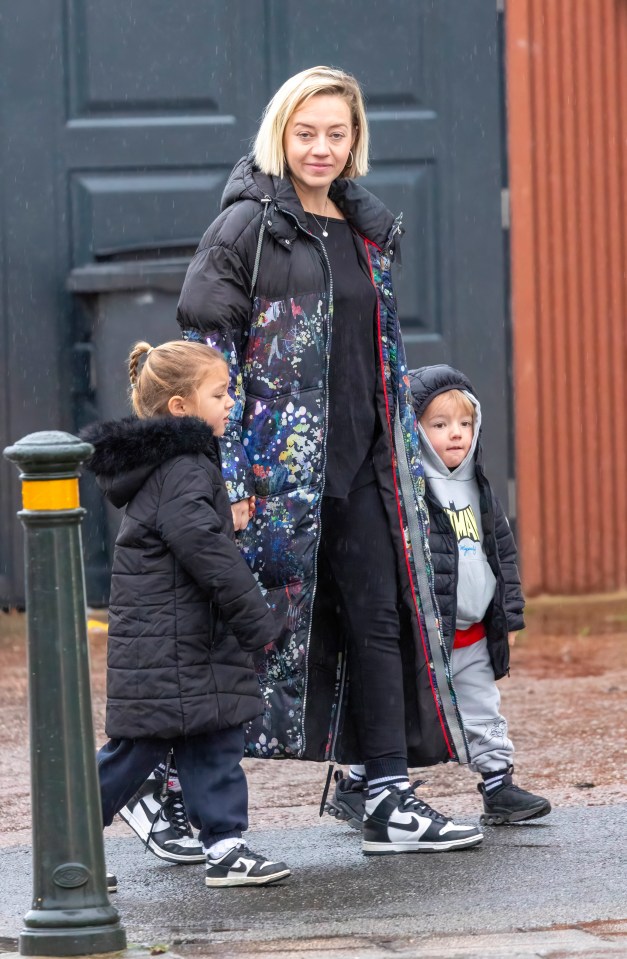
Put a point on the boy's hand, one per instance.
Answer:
(242, 512)
(511, 639)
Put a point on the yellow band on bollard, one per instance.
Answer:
(50, 494)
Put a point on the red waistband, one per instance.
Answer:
(466, 637)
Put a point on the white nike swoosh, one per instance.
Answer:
(450, 826)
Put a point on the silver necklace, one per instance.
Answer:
(326, 222)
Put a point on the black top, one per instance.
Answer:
(352, 384)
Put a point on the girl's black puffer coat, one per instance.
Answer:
(505, 613)
(178, 582)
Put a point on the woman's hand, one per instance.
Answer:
(511, 638)
(242, 512)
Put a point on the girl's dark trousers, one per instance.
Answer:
(359, 562)
(208, 765)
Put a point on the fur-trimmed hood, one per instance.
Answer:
(127, 451)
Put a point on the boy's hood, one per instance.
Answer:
(428, 382)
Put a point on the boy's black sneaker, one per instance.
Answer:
(510, 803)
(162, 823)
(241, 867)
(348, 801)
(397, 821)
(112, 883)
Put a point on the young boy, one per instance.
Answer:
(478, 591)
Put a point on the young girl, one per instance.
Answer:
(186, 615)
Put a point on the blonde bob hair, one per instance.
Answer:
(268, 149)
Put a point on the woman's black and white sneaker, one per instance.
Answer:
(397, 821)
(162, 824)
(241, 867)
(112, 883)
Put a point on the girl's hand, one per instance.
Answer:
(243, 512)
(511, 638)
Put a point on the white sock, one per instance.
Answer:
(222, 846)
(358, 773)
(377, 786)
(174, 785)
(493, 781)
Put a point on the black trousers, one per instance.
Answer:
(213, 782)
(356, 549)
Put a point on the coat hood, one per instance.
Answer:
(364, 211)
(127, 451)
(427, 383)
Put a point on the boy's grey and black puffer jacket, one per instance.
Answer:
(178, 582)
(505, 612)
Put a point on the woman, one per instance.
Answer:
(292, 282)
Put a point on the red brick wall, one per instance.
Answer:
(567, 121)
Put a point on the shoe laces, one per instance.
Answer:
(243, 850)
(411, 802)
(173, 811)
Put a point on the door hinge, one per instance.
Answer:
(511, 498)
(505, 209)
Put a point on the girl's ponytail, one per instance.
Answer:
(133, 361)
(140, 349)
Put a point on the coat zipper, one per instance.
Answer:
(324, 463)
(265, 200)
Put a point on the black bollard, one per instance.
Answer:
(71, 913)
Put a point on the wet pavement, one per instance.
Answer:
(566, 871)
(554, 888)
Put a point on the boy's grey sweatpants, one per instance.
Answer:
(479, 701)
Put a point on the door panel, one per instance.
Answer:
(396, 57)
(120, 122)
(128, 210)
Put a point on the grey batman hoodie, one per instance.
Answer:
(457, 491)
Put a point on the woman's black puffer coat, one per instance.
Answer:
(260, 289)
(185, 610)
(505, 613)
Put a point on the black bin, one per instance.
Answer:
(125, 295)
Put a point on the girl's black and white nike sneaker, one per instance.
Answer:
(397, 821)
(241, 867)
(158, 816)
